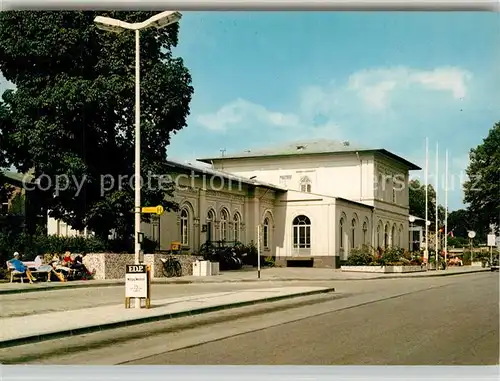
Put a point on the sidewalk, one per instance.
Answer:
(247, 275)
(19, 330)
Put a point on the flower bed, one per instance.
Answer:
(391, 260)
(383, 269)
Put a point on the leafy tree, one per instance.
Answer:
(482, 189)
(72, 112)
(460, 222)
(417, 202)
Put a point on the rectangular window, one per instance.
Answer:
(266, 236)
(302, 237)
(184, 232)
(237, 231)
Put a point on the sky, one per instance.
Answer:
(379, 80)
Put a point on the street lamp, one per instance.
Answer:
(412, 220)
(108, 24)
(471, 234)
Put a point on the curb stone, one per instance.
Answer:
(149, 319)
(58, 286)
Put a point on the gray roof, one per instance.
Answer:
(310, 147)
(295, 148)
(226, 175)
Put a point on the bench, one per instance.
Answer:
(30, 265)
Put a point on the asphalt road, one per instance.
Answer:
(445, 320)
(456, 324)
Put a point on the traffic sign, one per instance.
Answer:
(153, 210)
(491, 239)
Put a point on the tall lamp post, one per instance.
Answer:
(109, 24)
(412, 220)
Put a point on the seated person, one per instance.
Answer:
(19, 266)
(61, 266)
(78, 265)
(45, 268)
(67, 260)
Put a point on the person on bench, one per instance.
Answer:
(79, 266)
(40, 267)
(20, 267)
(60, 268)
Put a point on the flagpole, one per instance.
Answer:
(426, 251)
(446, 211)
(436, 241)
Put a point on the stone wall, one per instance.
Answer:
(112, 265)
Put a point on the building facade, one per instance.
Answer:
(312, 201)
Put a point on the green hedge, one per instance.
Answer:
(31, 246)
(392, 256)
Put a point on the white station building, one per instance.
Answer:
(314, 201)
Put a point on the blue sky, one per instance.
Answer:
(381, 80)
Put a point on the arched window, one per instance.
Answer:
(387, 190)
(386, 236)
(353, 233)
(393, 235)
(210, 225)
(341, 228)
(305, 184)
(224, 217)
(184, 227)
(400, 236)
(237, 226)
(365, 232)
(379, 232)
(380, 185)
(301, 232)
(265, 233)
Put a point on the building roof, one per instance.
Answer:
(16, 177)
(311, 147)
(205, 170)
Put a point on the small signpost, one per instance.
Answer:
(153, 210)
(138, 276)
(491, 242)
(138, 284)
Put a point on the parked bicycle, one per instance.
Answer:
(171, 267)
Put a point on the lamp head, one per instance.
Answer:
(164, 19)
(412, 219)
(108, 24)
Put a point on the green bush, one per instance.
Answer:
(361, 257)
(393, 256)
(269, 262)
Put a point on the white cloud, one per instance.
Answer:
(236, 112)
(364, 94)
(375, 86)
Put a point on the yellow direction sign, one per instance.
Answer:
(153, 210)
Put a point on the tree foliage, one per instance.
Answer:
(482, 189)
(72, 112)
(417, 202)
(460, 222)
